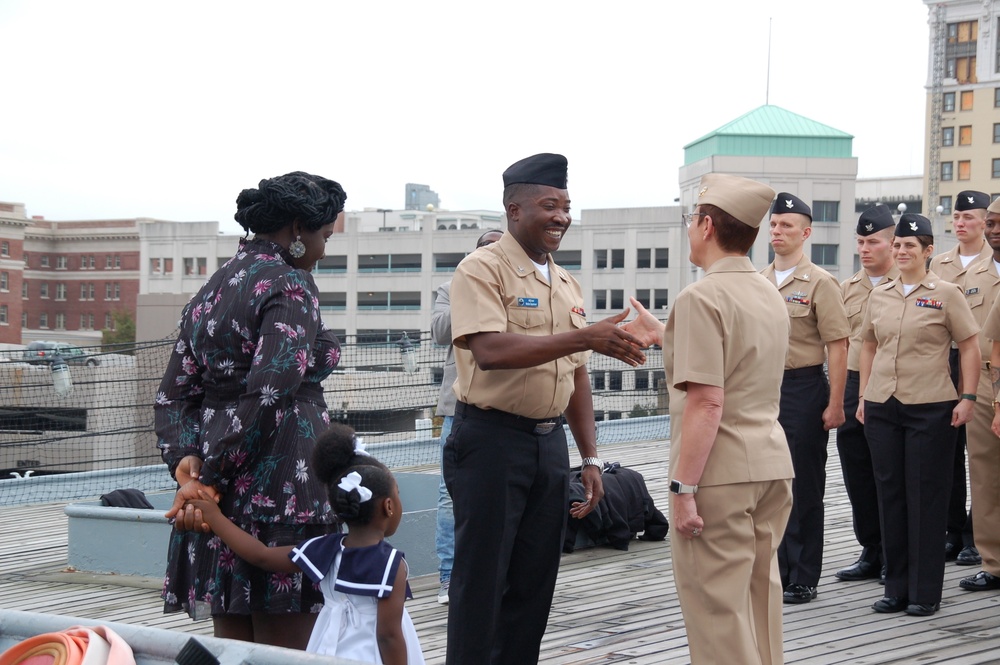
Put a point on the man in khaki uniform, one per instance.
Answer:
(982, 286)
(875, 231)
(809, 406)
(521, 347)
(724, 348)
(969, 223)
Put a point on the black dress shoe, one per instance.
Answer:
(969, 556)
(890, 604)
(951, 550)
(796, 594)
(859, 570)
(922, 609)
(981, 581)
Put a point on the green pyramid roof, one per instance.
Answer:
(771, 131)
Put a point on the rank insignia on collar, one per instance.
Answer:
(930, 302)
(579, 310)
(972, 291)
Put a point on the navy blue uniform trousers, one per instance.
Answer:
(859, 477)
(510, 489)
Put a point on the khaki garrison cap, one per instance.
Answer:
(994, 207)
(747, 200)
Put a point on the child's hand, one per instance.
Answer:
(205, 507)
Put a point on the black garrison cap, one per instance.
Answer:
(542, 169)
(971, 200)
(875, 219)
(912, 224)
(786, 202)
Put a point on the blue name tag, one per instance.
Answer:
(527, 302)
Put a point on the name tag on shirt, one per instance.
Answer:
(972, 292)
(527, 302)
(930, 302)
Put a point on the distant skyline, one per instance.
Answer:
(119, 109)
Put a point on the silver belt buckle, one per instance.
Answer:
(544, 428)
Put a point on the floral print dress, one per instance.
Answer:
(243, 391)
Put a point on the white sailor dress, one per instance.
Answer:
(353, 579)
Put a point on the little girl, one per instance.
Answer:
(363, 578)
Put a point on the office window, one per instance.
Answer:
(618, 258)
(641, 379)
(4, 281)
(642, 295)
(83, 291)
(168, 266)
(118, 262)
(597, 379)
(996, 168)
(960, 51)
(24, 290)
(660, 298)
(617, 299)
(60, 321)
(996, 132)
(93, 261)
(338, 264)
(373, 300)
(43, 290)
(600, 258)
(4, 248)
(824, 255)
(109, 322)
(642, 258)
(965, 170)
(948, 102)
(615, 380)
(826, 211)
(3, 315)
(966, 100)
(60, 263)
(24, 319)
(947, 136)
(965, 135)
(45, 261)
(945, 201)
(60, 291)
(570, 259)
(336, 300)
(947, 170)
(83, 322)
(996, 91)
(661, 258)
(108, 262)
(156, 266)
(43, 320)
(600, 299)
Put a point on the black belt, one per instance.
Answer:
(851, 374)
(533, 425)
(814, 370)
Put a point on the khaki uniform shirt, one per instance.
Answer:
(728, 330)
(913, 335)
(816, 309)
(982, 285)
(856, 291)
(948, 266)
(991, 328)
(497, 289)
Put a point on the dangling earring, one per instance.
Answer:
(298, 248)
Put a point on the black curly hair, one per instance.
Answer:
(333, 458)
(277, 202)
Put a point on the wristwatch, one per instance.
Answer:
(681, 488)
(594, 461)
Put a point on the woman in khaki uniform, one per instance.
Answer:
(910, 414)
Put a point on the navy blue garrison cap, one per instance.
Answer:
(786, 202)
(875, 219)
(971, 200)
(912, 224)
(542, 169)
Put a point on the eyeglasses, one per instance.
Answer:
(689, 218)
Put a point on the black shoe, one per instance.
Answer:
(796, 594)
(890, 604)
(859, 570)
(922, 610)
(969, 556)
(981, 581)
(951, 550)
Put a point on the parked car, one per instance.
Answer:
(44, 352)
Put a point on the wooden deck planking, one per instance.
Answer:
(610, 606)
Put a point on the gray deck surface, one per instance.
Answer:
(610, 606)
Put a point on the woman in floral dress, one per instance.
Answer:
(238, 410)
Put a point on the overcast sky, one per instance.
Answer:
(167, 110)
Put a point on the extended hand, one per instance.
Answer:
(646, 328)
(593, 492)
(608, 339)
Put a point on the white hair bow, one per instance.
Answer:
(352, 481)
(359, 447)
